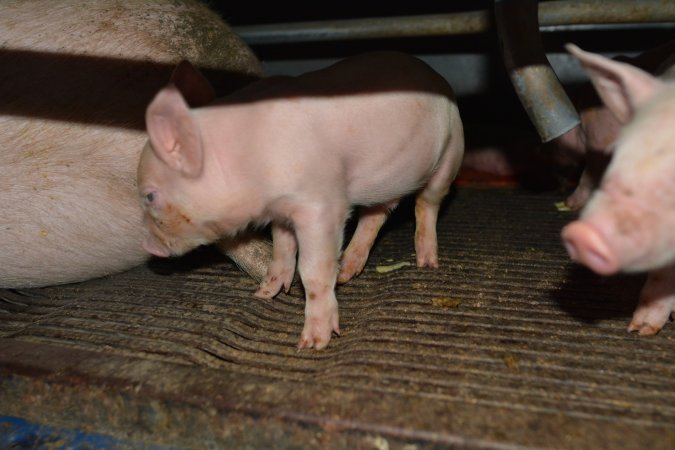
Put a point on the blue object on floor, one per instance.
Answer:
(16, 433)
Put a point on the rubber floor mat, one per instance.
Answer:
(507, 345)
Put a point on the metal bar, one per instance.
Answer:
(369, 28)
(533, 79)
(554, 13)
(604, 12)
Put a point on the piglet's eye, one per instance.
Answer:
(150, 197)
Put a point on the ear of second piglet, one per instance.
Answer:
(621, 86)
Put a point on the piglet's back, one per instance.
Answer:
(371, 123)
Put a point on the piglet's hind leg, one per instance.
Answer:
(426, 244)
(427, 204)
(355, 256)
(429, 199)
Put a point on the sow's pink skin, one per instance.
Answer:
(628, 224)
(74, 86)
(299, 153)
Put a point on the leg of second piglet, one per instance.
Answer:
(319, 235)
(355, 256)
(282, 268)
(657, 302)
(596, 163)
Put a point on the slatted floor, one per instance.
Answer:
(507, 345)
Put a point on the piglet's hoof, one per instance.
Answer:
(351, 268)
(317, 332)
(643, 329)
(649, 318)
(426, 251)
(273, 284)
(266, 293)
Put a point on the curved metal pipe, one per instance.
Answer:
(533, 79)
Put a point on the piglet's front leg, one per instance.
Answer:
(282, 268)
(657, 302)
(319, 235)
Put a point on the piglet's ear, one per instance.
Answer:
(622, 87)
(195, 88)
(173, 133)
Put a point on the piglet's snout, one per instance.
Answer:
(155, 248)
(586, 245)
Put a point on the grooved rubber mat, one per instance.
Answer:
(507, 345)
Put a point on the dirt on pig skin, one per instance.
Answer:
(76, 79)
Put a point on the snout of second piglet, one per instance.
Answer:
(587, 246)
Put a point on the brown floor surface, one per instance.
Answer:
(507, 345)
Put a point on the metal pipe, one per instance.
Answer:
(614, 11)
(533, 79)
(554, 13)
(368, 28)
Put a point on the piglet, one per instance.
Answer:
(628, 224)
(589, 145)
(299, 153)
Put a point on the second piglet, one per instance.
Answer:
(629, 223)
(300, 152)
